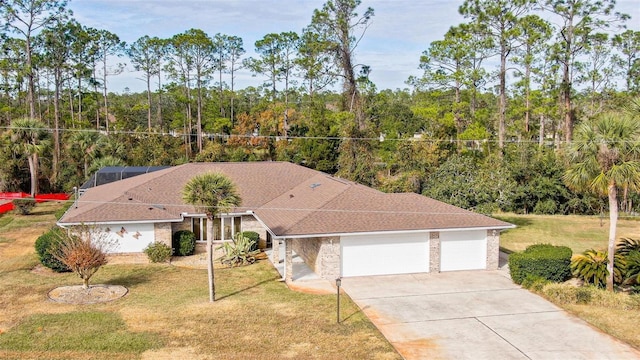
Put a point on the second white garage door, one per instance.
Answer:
(463, 250)
(384, 254)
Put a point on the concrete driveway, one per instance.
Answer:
(476, 315)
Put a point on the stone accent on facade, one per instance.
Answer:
(434, 251)
(184, 225)
(493, 249)
(162, 233)
(288, 260)
(322, 255)
(275, 251)
(249, 223)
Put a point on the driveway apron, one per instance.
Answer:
(476, 315)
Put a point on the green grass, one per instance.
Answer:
(167, 310)
(577, 232)
(86, 331)
(5, 219)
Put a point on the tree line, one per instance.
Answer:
(465, 131)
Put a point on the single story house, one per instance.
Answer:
(339, 228)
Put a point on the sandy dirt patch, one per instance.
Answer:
(76, 294)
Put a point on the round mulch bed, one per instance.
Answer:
(76, 294)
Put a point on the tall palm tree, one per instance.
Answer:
(29, 137)
(86, 144)
(604, 156)
(213, 194)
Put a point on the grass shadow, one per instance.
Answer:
(343, 319)
(247, 288)
(515, 220)
(129, 280)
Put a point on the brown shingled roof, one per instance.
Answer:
(289, 199)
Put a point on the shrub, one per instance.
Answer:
(47, 245)
(545, 261)
(627, 245)
(183, 243)
(239, 252)
(632, 268)
(84, 252)
(24, 206)
(591, 267)
(545, 207)
(158, 252)
(253, 236)
(534, 283)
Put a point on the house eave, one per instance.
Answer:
(64, 224)
(388, 232)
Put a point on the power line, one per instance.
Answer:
(344, 211)
(381, 138)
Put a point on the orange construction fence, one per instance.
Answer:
(6, 199)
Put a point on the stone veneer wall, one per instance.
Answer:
(434, 251)
(162, 232)
(322, 255)
(493, 249)
(184, 225)
(250, 223)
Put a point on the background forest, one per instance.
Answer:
(485, 126)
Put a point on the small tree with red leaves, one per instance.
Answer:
(84, 251)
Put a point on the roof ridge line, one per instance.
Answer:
(310, 212)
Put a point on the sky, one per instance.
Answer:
(399, 32)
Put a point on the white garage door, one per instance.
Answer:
(384, 254)
(463, 250)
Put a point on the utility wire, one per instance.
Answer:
(381, 138)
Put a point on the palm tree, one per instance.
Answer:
(29, 137)
(213, 194)
(604, 156)
(86, 144)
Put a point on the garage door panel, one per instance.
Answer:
(384, 254)
(463, 250)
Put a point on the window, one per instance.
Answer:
(223, 228)
(199, 228)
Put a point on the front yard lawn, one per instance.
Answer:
(167, 313)
(579, 233)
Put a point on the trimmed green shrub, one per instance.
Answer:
(183, 243)
(591, 267)
(47, 245)
(253, 236)
(158, 252)
(543, 261)
(24, 206)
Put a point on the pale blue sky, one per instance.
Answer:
(399, 31)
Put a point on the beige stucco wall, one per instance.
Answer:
(322, 255)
